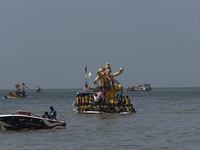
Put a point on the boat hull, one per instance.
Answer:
(18, 122)
(13, 96)
(90, 112)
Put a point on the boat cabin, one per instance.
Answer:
(85, 93)
(25, 113)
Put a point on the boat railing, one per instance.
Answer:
(61, 118)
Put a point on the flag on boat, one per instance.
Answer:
(17, 85)
(89, 74)
(25, 85)
(86, 69)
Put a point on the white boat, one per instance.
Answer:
(27, 120)
(144, 87)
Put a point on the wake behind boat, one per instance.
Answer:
(27, 120)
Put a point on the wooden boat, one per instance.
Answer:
(19, 93)
(12, 95)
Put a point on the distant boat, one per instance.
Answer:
(14, 95)
(144, 87)
(97, 88)
(39, 89)
(19, 93)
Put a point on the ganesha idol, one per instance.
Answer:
(107, 82)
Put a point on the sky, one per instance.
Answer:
(49, 43)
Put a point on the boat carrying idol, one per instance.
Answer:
(27, 120)
(109, 99)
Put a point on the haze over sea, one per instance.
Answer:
(167, 118)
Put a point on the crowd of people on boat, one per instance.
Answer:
(94, 102)
(18, 92)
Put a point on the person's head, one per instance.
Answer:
(51, 107)
(127, 96)
(46, 113)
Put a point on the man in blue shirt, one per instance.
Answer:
(53, 113)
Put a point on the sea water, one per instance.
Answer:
(166, 118)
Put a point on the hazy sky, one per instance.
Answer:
(49, 43)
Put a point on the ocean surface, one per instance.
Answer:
(166, 119)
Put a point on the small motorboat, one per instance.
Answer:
(27, 120)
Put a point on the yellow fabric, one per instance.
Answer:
(98, 107)
(111, 94)
(127, 101)
(86, 100)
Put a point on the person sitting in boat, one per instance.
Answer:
(109, 108)
(117, 109)
(116, 100)
(95, 107)
(91, 99)
(86, 100)
(83, 100)
(53, 113)
(47, 115)
(123, 100)
(122, 108)
(127, 108)
(100, 99)
(120, 100)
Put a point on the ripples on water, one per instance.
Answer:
(167, 118)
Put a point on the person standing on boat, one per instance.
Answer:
(53, 113)
(127, 100)
(23, 90)
(79, 101)
(96, 101)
